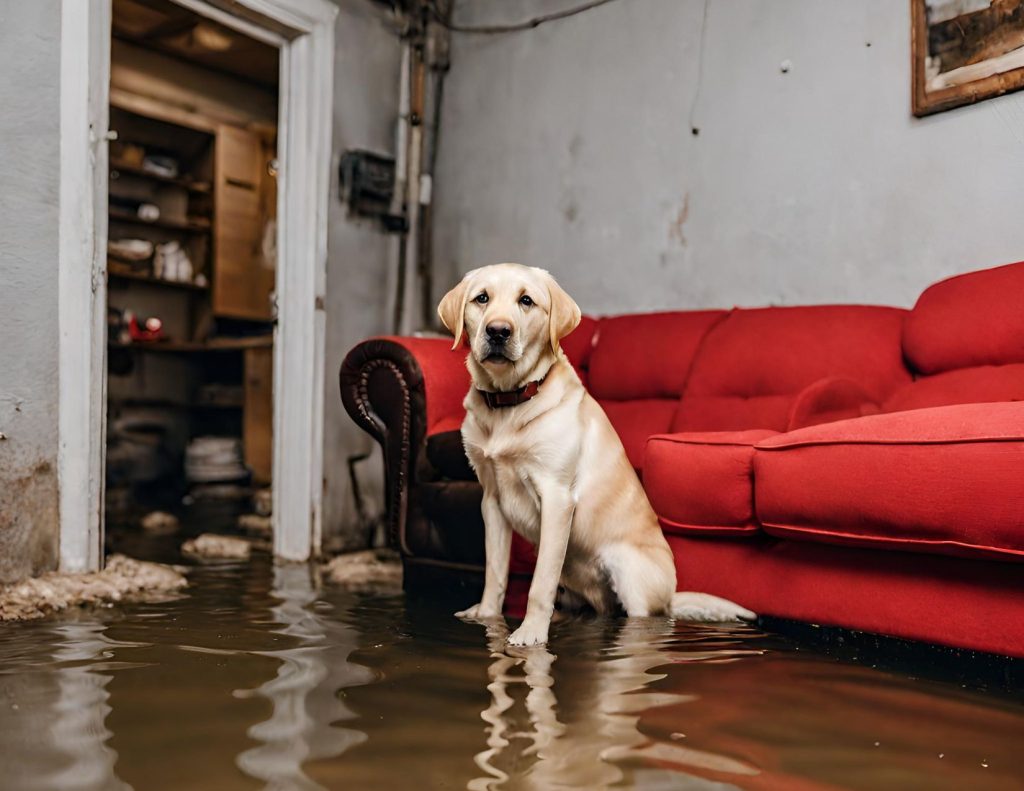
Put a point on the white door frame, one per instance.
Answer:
(304, 32)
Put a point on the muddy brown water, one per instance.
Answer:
(258, 677)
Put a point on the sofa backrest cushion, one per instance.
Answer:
(635, 421)
(984, 384)
(752, 365)
(967, 321)
(647, 355)
(579, 344)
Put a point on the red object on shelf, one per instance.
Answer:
(146, 330)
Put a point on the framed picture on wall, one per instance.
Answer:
(964, 51)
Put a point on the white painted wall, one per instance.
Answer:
(361, 262)
(29, 206)
(569, 147)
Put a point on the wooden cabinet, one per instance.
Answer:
(258, 415)
(243, 278)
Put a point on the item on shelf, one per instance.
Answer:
(160, 165)
(145, 330)
(131, 250)
(149, 212)
(117, 325)
(214, 459)
(127, 154)
(172, 263)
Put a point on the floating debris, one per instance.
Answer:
(123, 578)
(370, 570)
(262, 502)
(160, 522)
(210, 546)
(256, 525)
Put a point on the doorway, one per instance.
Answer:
(203, 129)
(191, 261)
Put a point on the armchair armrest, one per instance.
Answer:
(398, 390)
(829, 399)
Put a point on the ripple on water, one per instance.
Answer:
(258, 678)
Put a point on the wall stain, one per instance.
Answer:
(675, 226)
(29, 520)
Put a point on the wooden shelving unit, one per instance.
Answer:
(117, 168)
(189, 226)
(140, 277)
(224, 180)
(179, 347)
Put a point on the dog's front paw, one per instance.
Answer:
(477, 613)
(529, 634)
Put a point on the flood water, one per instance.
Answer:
(257, 677)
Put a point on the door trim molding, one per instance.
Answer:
(304, 32)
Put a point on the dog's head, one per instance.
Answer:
(513, 316)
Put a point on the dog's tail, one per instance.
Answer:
(687, 606)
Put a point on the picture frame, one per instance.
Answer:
(962, 54)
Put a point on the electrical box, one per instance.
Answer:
(366, 182)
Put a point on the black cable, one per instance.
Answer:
(512, 28)
(694, 129)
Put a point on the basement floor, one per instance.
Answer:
(256, 677)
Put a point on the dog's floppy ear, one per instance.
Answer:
(452, 310)
(564, 315)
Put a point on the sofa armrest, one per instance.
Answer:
(829, 399)
(397, 390)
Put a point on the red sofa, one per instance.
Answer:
(851, 466)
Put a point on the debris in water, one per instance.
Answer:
(160, 522)
(262, 502)
(123, 578)
(211, 546)
(255, 524)
(370, 571)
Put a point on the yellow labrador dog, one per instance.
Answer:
(551, 465)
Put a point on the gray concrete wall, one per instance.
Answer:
(361, 258)
(30, 142)
(569, 146)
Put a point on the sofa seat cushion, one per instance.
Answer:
(945, 480)
(635, 421)
(701, 483)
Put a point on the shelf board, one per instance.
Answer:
(185, 347)
(176, 181)
(166, 403)
(138, 277)
(117, 215)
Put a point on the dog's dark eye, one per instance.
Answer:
(481, 298)
(525, 301)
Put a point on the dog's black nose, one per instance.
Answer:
(499, 332)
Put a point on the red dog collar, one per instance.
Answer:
(511, 397)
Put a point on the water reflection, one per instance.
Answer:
(597, 744)
(53, 710)
(257, 677)
(305, 707)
